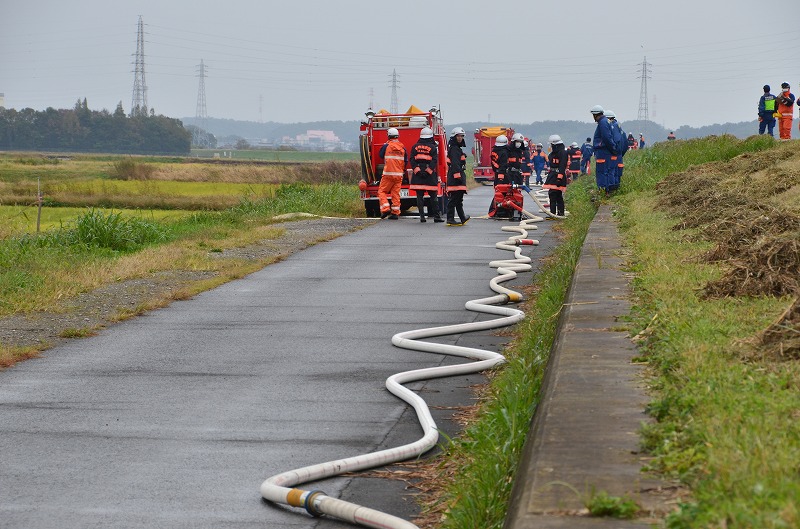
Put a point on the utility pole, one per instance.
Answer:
(371, 99)
(139, 99)
(643, 110)
(393, 106)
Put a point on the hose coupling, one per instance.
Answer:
(309, 503)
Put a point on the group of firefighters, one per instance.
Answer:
(513, 163)
(778, 108)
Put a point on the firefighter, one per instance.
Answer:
(424, 160)
(785, 111)
(632, 141)
(526, 162)
(516, 155)
(556, 182)
(641, 141)
(586, 155)
(500, 159)
(767, 106)
(604, 147)
(574, 160)
(456, 177)
(395, 159)
(621, 143)
(539, 161)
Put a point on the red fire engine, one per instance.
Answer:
(374, 134)
(482, 152)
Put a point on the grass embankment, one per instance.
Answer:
(717, 270)
(724, 355)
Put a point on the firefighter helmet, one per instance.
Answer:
(393, 133)
(597, 109)
(555, 139)
(574, 144)
(458, 130)
(517, 137)
(610, 114)
(426, 132)
(501, 140)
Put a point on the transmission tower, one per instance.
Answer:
(393, 106)
(643, 111)
(371, 99)
(139, 99)
(201, 113)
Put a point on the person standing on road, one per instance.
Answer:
(786, 112)
(424, 178)
(456, 177)
(574, 157)
(539, 161)
(586, 155)
(395, 159)
(516, 153)
(604, 147)
(500, 159)
(556, 182)
(767, 106)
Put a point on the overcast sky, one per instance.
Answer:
(298, 61)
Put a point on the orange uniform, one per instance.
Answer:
(786, 110)
(392, 179)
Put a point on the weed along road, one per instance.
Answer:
(174, 418)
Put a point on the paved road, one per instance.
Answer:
(174, 419)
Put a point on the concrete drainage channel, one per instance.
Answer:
(280, 488)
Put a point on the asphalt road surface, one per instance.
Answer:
(174, 418)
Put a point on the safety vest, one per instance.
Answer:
(395, 159)
(769, 103)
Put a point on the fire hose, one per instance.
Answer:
(280, 488)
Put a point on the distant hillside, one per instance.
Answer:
(538, 131)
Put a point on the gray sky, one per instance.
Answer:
(292, 61)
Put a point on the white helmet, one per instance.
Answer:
(610, 114)
(554, 139)
(517, 137)
(574, 144)
(597, 109)
(501, 140)
(393, 133)
(540, 145)
(426, 132)
(458, 130)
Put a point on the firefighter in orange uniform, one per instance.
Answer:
(500, 159)
(395, 159)
(424, 179)
(786, 111)
(574, 160)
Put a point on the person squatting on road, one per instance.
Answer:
(767, 106)
(604, 148)
(500, 159)
(456, 177)
(424, 178)
(516, 154)
(574, 157)
(786, 112)
(556, 182)
(395, 159)
(539, 161)
(586, 155)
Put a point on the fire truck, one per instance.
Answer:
(482, 152)
(374, 134)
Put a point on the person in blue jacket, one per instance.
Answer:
(767, 105)
(539, 162)
(604, 147)
(586, 155)
(621, 142)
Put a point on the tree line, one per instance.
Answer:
(83, 130)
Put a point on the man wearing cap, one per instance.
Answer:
(766, 110)
(604, 148)
(785, 111)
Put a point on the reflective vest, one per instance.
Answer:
(395, 159)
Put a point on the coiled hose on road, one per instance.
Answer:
(280, 488)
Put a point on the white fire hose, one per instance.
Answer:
(279, 488)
